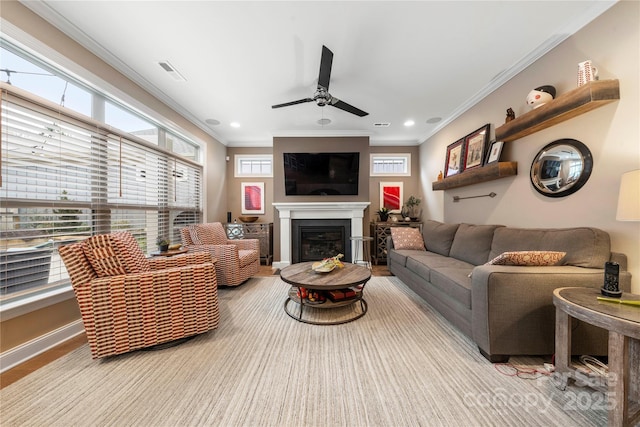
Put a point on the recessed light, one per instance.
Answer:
(234, 124)
(381, 125)
(433, 120)
(409, 123)
(212, 122)
(323, 122)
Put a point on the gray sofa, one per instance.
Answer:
(506, 310)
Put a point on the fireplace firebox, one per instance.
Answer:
(315, 239)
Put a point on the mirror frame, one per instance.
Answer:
(587, 167)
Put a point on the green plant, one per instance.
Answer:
(383, 211)
(163, 241)
(413, 201)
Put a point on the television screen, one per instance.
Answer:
(321, 174)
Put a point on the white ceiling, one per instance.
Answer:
(396, 60)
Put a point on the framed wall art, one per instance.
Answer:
(493, 154)
(252, 198)
(475, 146)
(453, 162)
(391, 196)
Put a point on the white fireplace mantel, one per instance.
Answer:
(316, 210)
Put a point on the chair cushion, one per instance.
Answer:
(112, 255)
(247, 256)
(210, 234)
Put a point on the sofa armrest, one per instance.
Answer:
(512, 307)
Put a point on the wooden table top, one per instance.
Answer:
(582, 303)
(301, 274)
(170, 252)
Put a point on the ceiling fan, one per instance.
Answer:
(322, 96)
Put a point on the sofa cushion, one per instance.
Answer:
(407, 238)
(472, 243)
(585, 246)
(438, 236)
(453, 281)
(528, 258)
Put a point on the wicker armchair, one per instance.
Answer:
(238, 260)
(129, 302)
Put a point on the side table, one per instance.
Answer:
(623, 324)
(169, 252)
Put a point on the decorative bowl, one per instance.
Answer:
(248, 218)
(320, 267)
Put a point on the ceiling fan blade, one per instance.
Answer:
(348, 108)
(299, 101)
(325, 68)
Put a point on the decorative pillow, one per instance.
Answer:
(528, 258)
(108, 254)
(407, 238)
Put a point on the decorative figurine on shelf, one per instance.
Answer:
(440, 176)
(540, 96)
(586, 72)
(510, 115)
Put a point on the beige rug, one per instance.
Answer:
(399, 365)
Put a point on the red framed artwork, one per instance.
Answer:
(252, 198)
(391, 196)
(453, 163)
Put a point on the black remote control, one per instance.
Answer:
(610, 287)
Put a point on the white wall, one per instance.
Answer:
(611, 132)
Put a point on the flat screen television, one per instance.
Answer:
(321, 174)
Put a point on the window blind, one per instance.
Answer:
(66, 177)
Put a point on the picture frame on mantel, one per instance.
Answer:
(454, 161)
(391, 196)
(252, 198)
(475, 146)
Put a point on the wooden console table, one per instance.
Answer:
(623, 324)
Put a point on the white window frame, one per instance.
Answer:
(405, 157)
(238, 159)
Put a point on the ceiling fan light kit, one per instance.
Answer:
(322, 96)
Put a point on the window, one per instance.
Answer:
(253, 165)
(66, 177)
(386, 164)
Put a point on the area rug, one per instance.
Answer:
(401, 364)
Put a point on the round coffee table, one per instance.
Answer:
(351, 277)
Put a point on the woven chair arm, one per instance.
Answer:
(217, 251)
(249, 244)
(162, 263)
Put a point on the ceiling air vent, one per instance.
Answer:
(172, 71)
(381, 125)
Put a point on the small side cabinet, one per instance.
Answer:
(261, 231)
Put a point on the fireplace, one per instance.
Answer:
(315, 239)
(291, 211)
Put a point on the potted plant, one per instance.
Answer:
(163, 244)
(383, 213)
(413, 208)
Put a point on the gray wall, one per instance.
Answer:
(611, 132)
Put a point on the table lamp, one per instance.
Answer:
(628, 210)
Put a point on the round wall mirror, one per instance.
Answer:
(561, 168)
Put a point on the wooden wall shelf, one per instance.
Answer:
(566, 106)
(477, 175)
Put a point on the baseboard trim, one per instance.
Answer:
(20, 354)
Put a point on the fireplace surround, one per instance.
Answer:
(353, 211)
(316, 239)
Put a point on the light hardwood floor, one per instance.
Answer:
(21, 371)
